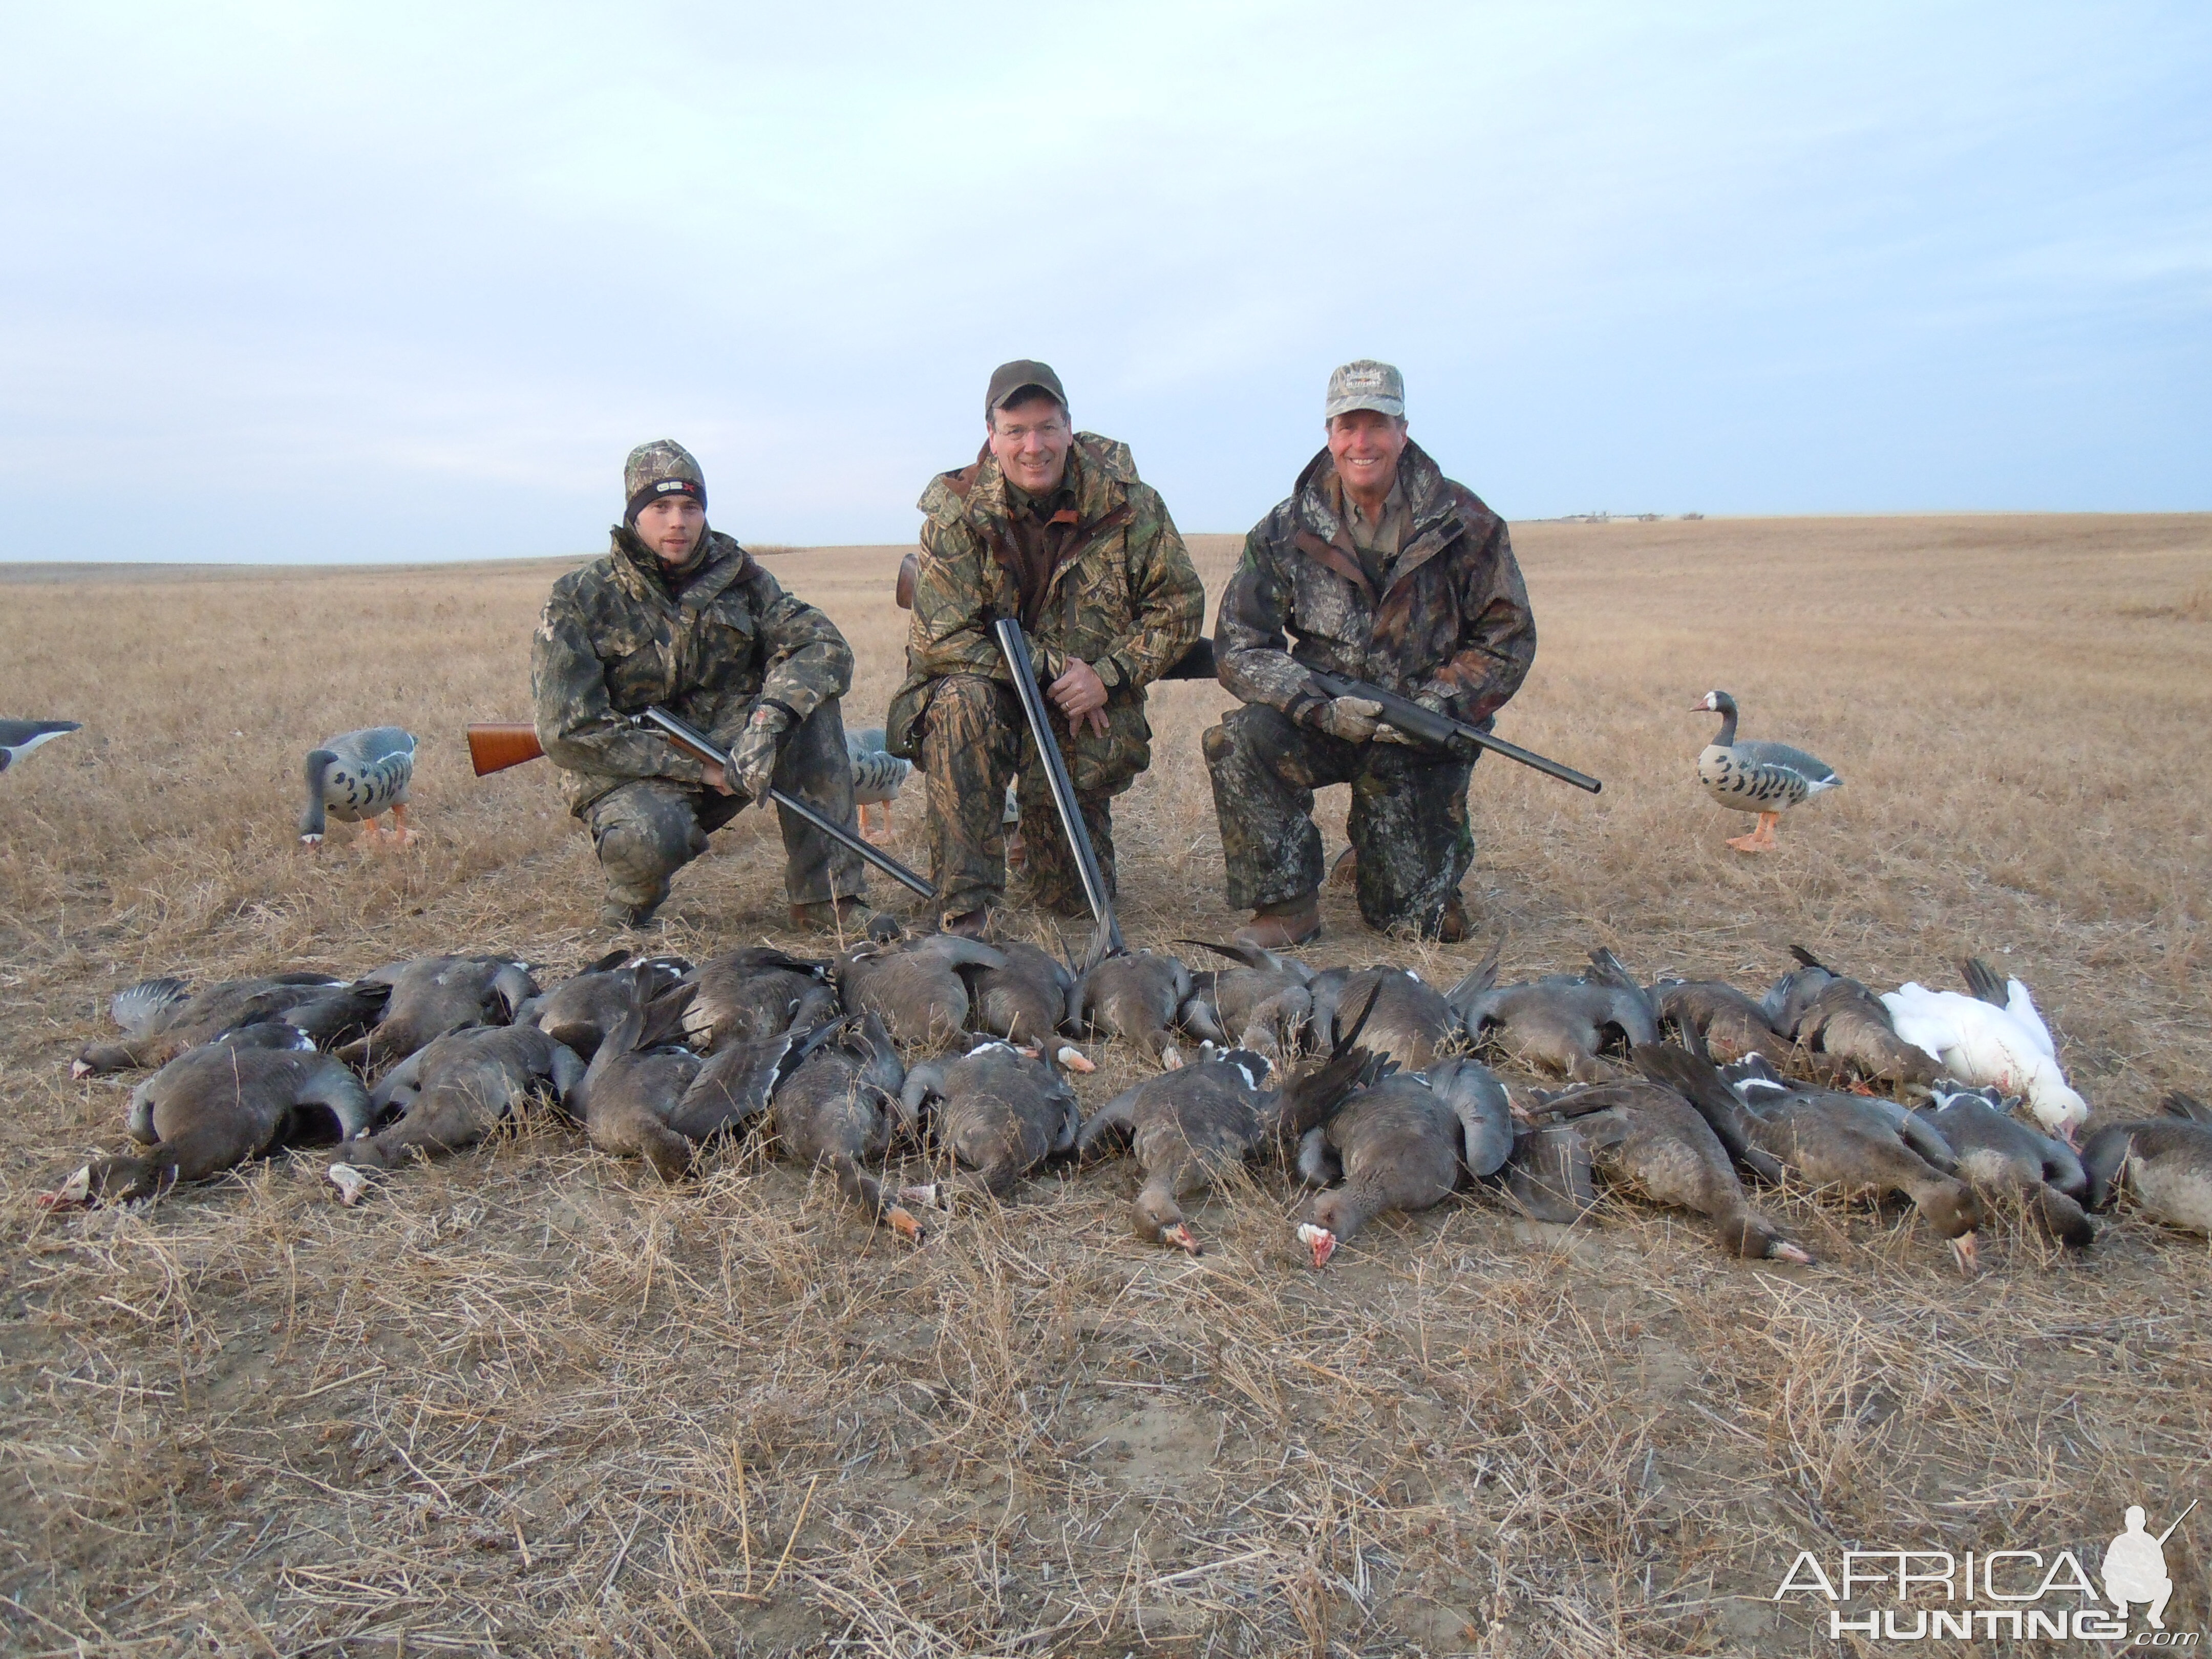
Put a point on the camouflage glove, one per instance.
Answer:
(753, 761)
(1352, 719)
(1388, 734)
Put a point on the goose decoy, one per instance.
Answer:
(1560, 1022)
(433, 996)
(356, 779)
(1731, 1024)
(1263, 1004)
(1025, 1001)
(1998, 1153)
(1135, 994)
(1400, 1144)
(1995, 1037)
(913, 985)
(164, 1018)
(1765, 778)
(1645, 1137)
(751, 994)
(453, 1093)
(19, 737)
(1409, 1020)
(2166, 1162)
(214, 1107)
(877, 776)
(998, 1111)
(1860, 1146)
(839, 1108)
(580, 1012)
(1826, 1013)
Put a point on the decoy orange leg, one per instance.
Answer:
(1760, 840)
(401, 835)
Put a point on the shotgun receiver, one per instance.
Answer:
(1435, 730)
(494, 747)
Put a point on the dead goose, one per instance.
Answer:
(1998, 1153)
(839, 1109)
(999, 1113)
(1862, 1148)
(453, 1093)
(1826, 1013)
(164, 1018)
(356, 779)
(2166, 1162)
(1645, 1137)
(19, 737)
(751, 994)
(214, 1107)
(1993, 1036)
(913, 985)
(1263, 1004)
(1730, 1023)
(581, 1010)
(1026, 999)
(1559, 1022)
(1130, 994)
(1765, 778)
(1400, 1144)
(1549, 1178)
(1409, 1020)
(433, 996)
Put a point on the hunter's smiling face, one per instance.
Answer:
(1366, 444)
(1030, 437)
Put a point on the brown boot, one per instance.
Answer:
(973, 924)
(1279, 926)
(849, 916)
(1448, 926)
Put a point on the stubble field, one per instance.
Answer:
(531, 1401)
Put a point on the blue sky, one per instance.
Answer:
(308, 281)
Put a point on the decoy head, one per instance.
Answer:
(1160, 1220)
(1713, 703)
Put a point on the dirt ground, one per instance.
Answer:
(531, 1401)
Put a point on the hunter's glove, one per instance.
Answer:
(753, 761)
(1388, 734)
(1353, 719)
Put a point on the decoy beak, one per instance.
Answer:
(903, 1224)
(350, 1181)
(1966, 1251)
(72, 1194)
(1319, 1240)
(1180, 1236)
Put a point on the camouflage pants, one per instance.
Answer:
(648, 829)
(1408, 824)
(974, 740)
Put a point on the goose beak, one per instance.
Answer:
(1319, 1240)
(903, 1224)
(351, 1183)
(79, 1069)
(313, 842)
(1966, 1251)
(1075, 1059)
(927, 1196)
(1180, 1236)
(74, 1193)
(1783, 1250)
(1171, 1059)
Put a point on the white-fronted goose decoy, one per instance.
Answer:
(998, 1111)
(1401, 1145)
(1861, 1147)
(2166, 1161)
(1024, 1000)
(164, 1018)
(1409, 1021)
(839, 1108)
(1130, 994)
(580, 1012)
(19, 737)
(1824, 1012)
(214, 1107)
(1263, 1004)
(358, 778)
(754, 993)
(1646, 1137)
(913, 985)
(1731, 1024)
(1995, 1038)
(1998, 1153)
(1765, 778)
(453, 1093)
(1560, 1022)
(433, 996)
(877, 776)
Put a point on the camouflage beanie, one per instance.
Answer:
(663, 467)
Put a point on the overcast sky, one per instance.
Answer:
(312, 281)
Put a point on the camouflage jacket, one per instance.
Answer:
(613, 638)
(1450, 628)
(1122, 597)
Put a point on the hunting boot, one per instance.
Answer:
(1279, 926)
(849, 916)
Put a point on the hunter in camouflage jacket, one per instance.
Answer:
(706, 644)
(1122, 597)
(1451, 627)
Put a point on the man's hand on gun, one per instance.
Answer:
(1354, 719)
(752, 763)
(1080, 695)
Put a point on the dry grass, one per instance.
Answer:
(529, 1400)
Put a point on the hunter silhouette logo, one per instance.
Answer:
(2134, 1567)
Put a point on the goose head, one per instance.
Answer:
(1755, 1238)
(1159, 1219)
(1713, 703)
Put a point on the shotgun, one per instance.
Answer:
(1427, 728)
(494, 747)
(1062, 787)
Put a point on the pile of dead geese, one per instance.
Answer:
(1369, 1082)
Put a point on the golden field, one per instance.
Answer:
(531, 1401)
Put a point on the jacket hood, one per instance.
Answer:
(1427, 499)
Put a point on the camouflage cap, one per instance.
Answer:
(663, 467)
(1366, 384)
(1020, 375)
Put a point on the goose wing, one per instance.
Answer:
(1810, 767)
(2025, 1014)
